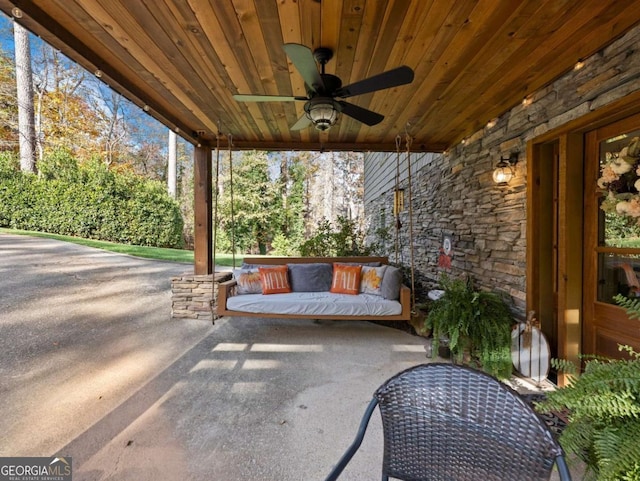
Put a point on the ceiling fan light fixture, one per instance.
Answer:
(323, 113)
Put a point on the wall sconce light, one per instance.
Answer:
(504, 170)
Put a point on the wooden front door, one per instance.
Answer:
(612, 238)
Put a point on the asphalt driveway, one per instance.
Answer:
(92, 366)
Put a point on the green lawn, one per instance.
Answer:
(159, 253)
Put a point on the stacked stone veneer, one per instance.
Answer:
(195, 296)
(453, 193)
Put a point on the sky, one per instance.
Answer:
(6, 33)
(146, 125)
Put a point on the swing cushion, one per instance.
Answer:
(315, 304)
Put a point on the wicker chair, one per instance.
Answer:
(447, 422)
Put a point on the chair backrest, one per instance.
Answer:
(448, 422)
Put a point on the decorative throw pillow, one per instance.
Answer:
(275, 280)
(346, 279)
(391, 282)
(371, 282)
(248, 281)
(314, 277)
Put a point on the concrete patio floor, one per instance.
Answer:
(93, 367)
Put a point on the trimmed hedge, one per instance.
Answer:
(89, 201)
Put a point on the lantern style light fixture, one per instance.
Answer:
(504, 170)
(323, 112)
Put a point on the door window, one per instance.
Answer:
(619, 217)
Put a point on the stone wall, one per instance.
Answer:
(195, 296)
(454, 194)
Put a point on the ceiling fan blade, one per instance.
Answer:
(360, 114)
(302, 123)
(266, 98)
(302, 58)
(390, 78)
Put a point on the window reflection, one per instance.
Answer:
(619, 274)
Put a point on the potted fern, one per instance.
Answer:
(604, 411)
(476, 324)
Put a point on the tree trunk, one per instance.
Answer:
(173, 162)
(24, 84)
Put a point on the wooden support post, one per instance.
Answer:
(203, 222)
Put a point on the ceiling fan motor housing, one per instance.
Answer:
(322, 55)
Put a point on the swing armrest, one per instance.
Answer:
(405, 301)
(225, 290)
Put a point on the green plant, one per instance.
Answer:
(604, 411)
(604, 416)
(88, 200)
(475, 322)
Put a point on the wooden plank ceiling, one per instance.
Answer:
(184, 59)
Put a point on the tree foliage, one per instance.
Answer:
(75, 111)
(268, 203)
(251, 220)
(88, 200)
(8, 105)
(345, 239)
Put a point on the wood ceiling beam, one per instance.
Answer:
(328, 146)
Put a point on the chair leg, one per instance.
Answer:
(346, 457)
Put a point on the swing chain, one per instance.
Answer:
(233, 222)
(396, 206)
(216, 194)
(409, 141)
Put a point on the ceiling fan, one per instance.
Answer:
(321, 107)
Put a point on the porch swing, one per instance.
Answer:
(305, 294)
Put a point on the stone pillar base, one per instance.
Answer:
(194, 296)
